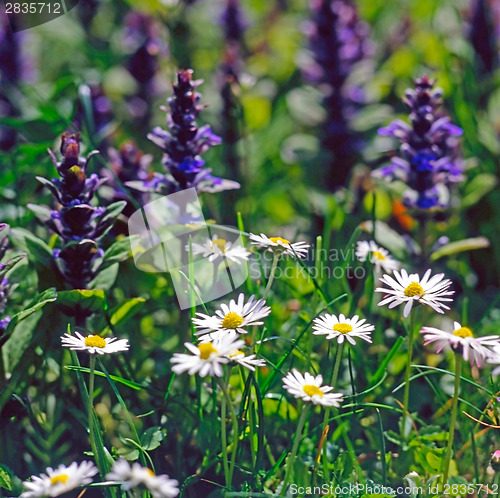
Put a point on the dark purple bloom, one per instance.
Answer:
(429, 161)
(483, 36)
(144, 38)
(87, 11)
(101, 116)
(128, 164)
(182, 144)
(233, 21)
(9, 75)
(338, 40)
(80, 225)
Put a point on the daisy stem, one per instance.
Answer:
(276, 258)
(223, 437)
(454, 412)
(91, 402)
(406, 398)
(216, 274)
(338, 361)
(227, 402)
(295, 447)
(335, 375)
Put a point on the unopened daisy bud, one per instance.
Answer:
(495, 460)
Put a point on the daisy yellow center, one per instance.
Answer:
(61, 478)
(463, 332)
(379, 255)
(343, 328)
(311, 390)
(232, 320)
(94, 341)
(220, 243)
(235, 353)
(279, 239)
(206, 349)
(150, 472)
(414, 289)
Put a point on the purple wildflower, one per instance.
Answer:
(80, 225)
(338, 40)
(429, 161)
(183, 145)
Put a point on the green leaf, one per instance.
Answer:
(152, 438)
(11, 263)
(387, 237)
(124, 312)
(460, 246)
(128, 453)
(38, 251)
(5, 480)
(112, 211)
(477, 188)
(47, 296)
(119, 251)
(43, 213)
(87, 299)
(114, 378)
(105, 278)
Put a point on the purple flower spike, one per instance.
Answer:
(430, 161)
(183, 143)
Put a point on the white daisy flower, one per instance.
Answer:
(94, 343)
(280, 245)
(133, 476)
(341, 328)
(410, 289)
(308, 388)
(237, 316)
(494, 359)
(379, 257)
(236, 356)
(462, 340)
(206, 358)
(250, 361)
(217, 248)
(59, 481)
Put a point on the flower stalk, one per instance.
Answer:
(453, 421)
(406, 397)
(227, 402)
(296, 441)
